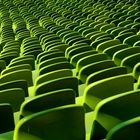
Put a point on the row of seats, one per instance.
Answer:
(69, 69)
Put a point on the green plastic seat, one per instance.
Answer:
(57, 84)
(52, 61)
(13, 96)
(91, 59)
(23, 61)
(47, 101)
(95, 36)
(113, 111)
(95, 43)
(106, 73)
(24, 74)
(55, 66)
(127, 130)
(15, 68)
(102, 46)
(74, 59)
(78, 50)
(53, 75)
(121, 54)
(50, 55)
(94, 67)
(112, 50)
(39, 123)
(130, 61)
(42, 54)
(6, 112)
(131, 40)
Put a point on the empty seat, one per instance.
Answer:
(39, 123)
(47, 101)
(127, 130)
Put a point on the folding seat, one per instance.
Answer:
(62, 47)
(94, 67)
(13, 96)
(128, 30)
(106, 27)
(102, 46)
(98, 41)
(24, 74)
(127, 130)
(122, 37)
(77, 50)
(121, 54)
(52, 61)
(112, 50)
(136, 26)
(48, 56)
(15, 68)
(71, 116)
(131, 25)
(124, 23)
(74, 59)
(89, 35)
(91, 59)
(44, 53)
(93, 24)
(132, 39)
(55, 66)
(6, 112)
(96, 35)
(115, 111)
(53, 75)
(8, 57)
(33, 50)
(47, 101)
(57, 84)
(117, 30)
(88, 31)
(130, 61)
(23, 60)
(12, 49)
(99, 26)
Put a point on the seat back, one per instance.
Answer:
(105, 88)
(47, 101)
(115, 110)
(68, 125)
(127, 130)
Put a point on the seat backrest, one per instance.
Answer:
(53, 67)
(52, 61)
(6, 118)
(121, 54)
(24, 74)
(47, 101)
(15, 84)
(57, 84)
(105, 88)
(127, 130)
(115, 110)
(53, 75)
(94, 67)
(61, 123)
(15, 68)
(13, 96)
(90, 60)
(106, 73)
(131, 61)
